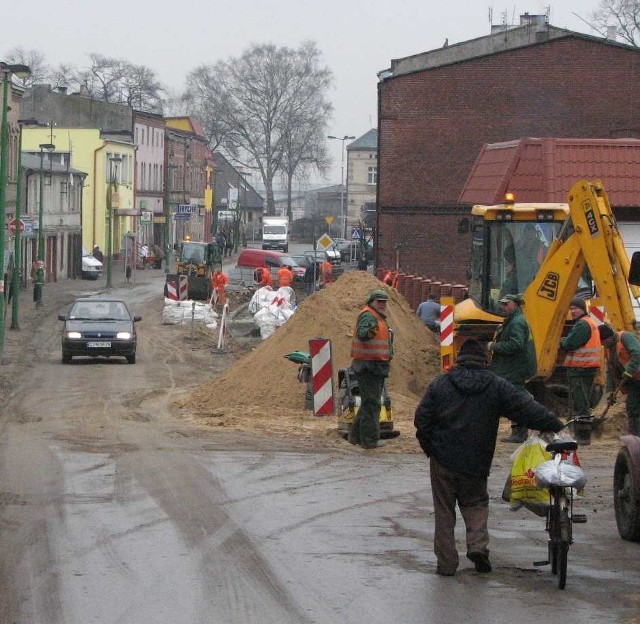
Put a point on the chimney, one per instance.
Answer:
(612, 33)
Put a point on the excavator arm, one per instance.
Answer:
(590, 237)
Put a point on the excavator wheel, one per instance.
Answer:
(626, 500)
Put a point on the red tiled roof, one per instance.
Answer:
(543, 170)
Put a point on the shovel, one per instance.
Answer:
(598, 420)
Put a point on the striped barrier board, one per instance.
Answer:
(598, 314)
(178, 291)
(322, 376)
(446, 332)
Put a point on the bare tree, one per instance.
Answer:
(256, 104)
(62, 76)
(34, 59)
(118, 81)
(623, 14)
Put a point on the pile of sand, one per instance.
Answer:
(261, 390)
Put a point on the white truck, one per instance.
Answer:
(275, 233)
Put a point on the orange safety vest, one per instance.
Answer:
(285, 277)
(623, 357)
(377, 348)
(327, 272)
(589, 355)
(265, 277)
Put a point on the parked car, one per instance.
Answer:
(350, 250)
(99, 327)
(320, 256)
(91, 267)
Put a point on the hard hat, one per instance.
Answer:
(378, 293)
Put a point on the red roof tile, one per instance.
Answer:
(543, 170)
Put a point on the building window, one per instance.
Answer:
(372, 175)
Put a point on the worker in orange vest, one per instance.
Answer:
(263, 277)
(285, 277)
(326, 273)
(219, 281)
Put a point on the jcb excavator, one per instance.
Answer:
(197, 260)
(550, 253)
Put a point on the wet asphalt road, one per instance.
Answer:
(112, 511)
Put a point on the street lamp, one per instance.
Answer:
(342, 211)
(21, 71)
(38, 287)
(112, 183)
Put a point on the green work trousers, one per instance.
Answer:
(365, 429)
(580, 389)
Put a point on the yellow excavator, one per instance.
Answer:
(548, 254)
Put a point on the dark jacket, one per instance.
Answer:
(457, 418)
(514, 354)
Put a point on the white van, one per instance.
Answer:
(91, 267)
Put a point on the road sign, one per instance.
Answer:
(179, 216)
(325, 242)
(146, 216)
(187, 209)
(329, 220)
(13, 226)
(226, 215)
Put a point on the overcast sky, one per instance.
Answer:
(358, 38)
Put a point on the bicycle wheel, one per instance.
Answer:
(563, 552)
(554, 532)
(563, 546)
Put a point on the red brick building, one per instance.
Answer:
(438, 109)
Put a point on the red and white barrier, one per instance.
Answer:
(598, 314)
(178, 291)
(446, 325)
(322, 376)
(222, 333)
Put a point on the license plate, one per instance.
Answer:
(98, 344)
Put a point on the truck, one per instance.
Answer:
(275, 233)
(197, 260)
(577, 250)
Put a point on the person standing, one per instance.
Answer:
(97, 254)
(513, 353)
(429, 313)
(623, 364)
(285, 277)
(371, 350)
(583, 357)
(326, 273)
(219, 281)
(456, 425)
(221, 242)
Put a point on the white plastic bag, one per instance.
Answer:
(558, 472)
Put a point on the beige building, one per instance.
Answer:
(362, 177)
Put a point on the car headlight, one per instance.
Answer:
(74, 335)
(123, 335)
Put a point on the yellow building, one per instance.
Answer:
(103, 157)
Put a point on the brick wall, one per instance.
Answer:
(433, 123)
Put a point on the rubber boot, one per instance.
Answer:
(518, 435)
(582, 431)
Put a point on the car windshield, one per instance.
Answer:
(99, 310)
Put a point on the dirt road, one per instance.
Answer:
(113, 508)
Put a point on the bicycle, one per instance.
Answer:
(560, 478)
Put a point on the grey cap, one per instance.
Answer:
(515, 298)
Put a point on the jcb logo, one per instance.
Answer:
(590, 216)
(549, 287)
